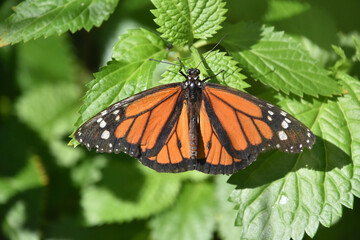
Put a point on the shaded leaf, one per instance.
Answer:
(21, 198)
(277, 60)
(70, 228)
(45, 61)
(36, 18)
(226, 213)
(192, 217)
(128, 191)
(285, 196)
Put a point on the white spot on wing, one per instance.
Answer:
(269, 105)
(278, 145)
(284, 124)
(105, 135)
(116, 112)
(269, 118)
(283, 113)
(104, 112)
(102, 124)
(282, 135)
(117, 118)
(309, 135)
(99, 120)
(287, 120)
(271, 112)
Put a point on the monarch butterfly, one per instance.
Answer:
(194, 125)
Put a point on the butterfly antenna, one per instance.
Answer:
(170, 63)
(211, 50)
(181, 65)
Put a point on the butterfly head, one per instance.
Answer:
(192, 78)
(193, 74)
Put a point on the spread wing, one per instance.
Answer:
(235, 127)
(141, 126)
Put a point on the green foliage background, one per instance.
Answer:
(62, 61)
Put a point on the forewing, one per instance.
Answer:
(138, 125)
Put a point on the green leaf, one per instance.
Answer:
(37, 18)
(21, 198)
(279, 10)
(277, 60)
(138, 45)
(357, 47)
(215, 62)
(181, 21)
(342, 64)
(225, 210)
(15, 221)
(50, 110)
(192, 217)
(127, 191)
(45, 61)
(283, 196)
(29, 177)
(131, 73)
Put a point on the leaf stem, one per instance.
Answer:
(200, 43)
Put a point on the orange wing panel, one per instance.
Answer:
(137, 128)
(175, 155)
(205, 127)
(123, 127)
(229, 122)
(182, 131)
(226, 159)
(158, 118)
(237, 102)
(163, 156)
(264, 128)
(249, 129)
(150, 101)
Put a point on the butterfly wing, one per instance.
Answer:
(174, 155)
(235, 127)
(139, 125)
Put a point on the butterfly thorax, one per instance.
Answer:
(193, 85)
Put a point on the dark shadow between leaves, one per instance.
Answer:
(17, 142)
(240, 36)
(72, 228)
(312, 22)
(274, 165)
(122, 177)
(30, 216)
